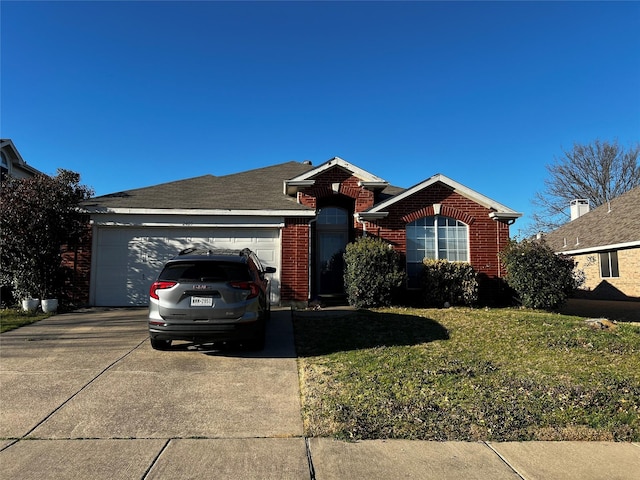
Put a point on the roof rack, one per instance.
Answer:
(204, 250)
(187, 251)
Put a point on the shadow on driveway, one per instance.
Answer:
(621, 311)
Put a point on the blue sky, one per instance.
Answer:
(132, 94)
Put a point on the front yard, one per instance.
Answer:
(467, 374)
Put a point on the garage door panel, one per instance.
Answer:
(129, 259)
(267, 257)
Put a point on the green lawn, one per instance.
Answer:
(11, 319)
(468, 374)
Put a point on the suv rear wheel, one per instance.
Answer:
(160, 344)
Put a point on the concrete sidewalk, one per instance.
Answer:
(83, 396)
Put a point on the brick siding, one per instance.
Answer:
(78, 262)
(627, 284)
(486, 236)
(294, 275)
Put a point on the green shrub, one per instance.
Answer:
(448, 282)
(372, 273)
(541, 278)
(38, 216)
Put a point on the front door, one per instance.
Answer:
(332, 236)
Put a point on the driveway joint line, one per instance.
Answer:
(156, 458)
(504, 460)
(312, 471)
(59, 407)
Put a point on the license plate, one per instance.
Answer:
(201, 301)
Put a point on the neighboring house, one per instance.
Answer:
(11, 162)
(605, 242)
(297, 217)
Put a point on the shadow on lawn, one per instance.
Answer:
(319, 334)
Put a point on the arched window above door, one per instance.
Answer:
(333, 216)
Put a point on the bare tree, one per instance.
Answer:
(596, 172)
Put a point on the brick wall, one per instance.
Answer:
(294, 276)
(295, 235)
(77, 260)
(348, 187)
(628, 283)
(486, 236)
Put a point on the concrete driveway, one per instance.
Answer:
(621, 311)
(83, 396)
(86, 396)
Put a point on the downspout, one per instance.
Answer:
(498, 244)
(363, 223)
(508, 223)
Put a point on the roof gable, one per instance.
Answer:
(611, 225)
(15, 163)
(307, 179)
(499, 211)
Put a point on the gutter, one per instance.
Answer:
(371, 216)
(197, 211)
(602, 248)
(363, 217)
(508, 218)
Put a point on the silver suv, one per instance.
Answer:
(208, 296)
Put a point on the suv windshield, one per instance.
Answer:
(205, 272)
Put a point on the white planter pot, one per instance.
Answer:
(50, 305)
(30, 304)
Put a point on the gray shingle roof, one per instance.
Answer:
(259, 189)
(606, 225)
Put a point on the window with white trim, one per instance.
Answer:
(436, 237)
(609, 264)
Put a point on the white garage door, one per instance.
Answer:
(127, 259)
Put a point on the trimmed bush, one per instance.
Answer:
(542, 279)
(443, 282)
(372, 273)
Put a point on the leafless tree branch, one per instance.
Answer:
(597, 172)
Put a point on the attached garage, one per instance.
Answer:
(134, 232)
(127, 260)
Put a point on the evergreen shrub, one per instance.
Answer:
(444, 282)
(542, 279)
(373, 273)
